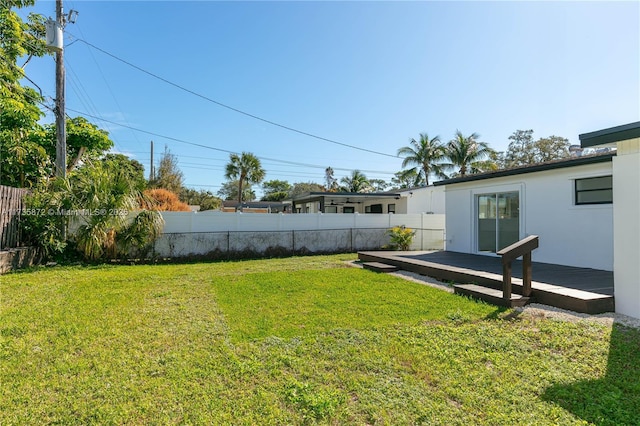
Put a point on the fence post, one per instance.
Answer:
(422, 231)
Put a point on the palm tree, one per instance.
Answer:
(112, 222)
(427, 156)
(357, 182)
(466, 152)
(246, 168)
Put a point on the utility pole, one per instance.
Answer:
(152, 169)
(61, 125)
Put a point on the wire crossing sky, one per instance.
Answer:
(310, 85)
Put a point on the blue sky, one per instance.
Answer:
(366, 74)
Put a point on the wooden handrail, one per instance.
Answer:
(519, 248)
(522, 248)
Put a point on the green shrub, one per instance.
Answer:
(401, 237)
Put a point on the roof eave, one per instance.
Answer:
(579, 161)
(610, 135)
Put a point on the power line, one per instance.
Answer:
(211, 147)
(273, 123)
(154, 134)
(106, 82)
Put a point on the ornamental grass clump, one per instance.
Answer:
(401, 237)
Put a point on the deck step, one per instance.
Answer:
(490, 295)
(379, 267)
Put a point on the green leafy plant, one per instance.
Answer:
(98, 208)
(401, 237)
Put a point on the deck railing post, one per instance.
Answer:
(506, 280)
(522, 248)
(526, 274)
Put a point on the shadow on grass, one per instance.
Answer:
(613, 399)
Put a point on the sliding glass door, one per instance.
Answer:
(498, 220)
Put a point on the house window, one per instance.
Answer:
(597, 190)
(348, 210)
(331, 209)
(391, 208)
(374, 208)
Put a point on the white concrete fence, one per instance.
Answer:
(217, 234)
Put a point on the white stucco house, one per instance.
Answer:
(586, 210)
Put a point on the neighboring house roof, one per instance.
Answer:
(254, 204)
(610, 135)
(414, 188)
(308, 197)
(549, 165)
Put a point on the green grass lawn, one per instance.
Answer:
(303, 340)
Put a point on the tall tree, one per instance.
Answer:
(303, 187)
(520, 151)
(331, 181)
(27, 149)
(132, 168)
(426, 155)
(205, 199)
(524, 151)
(168, 175)
(551, 148)
(246, 168)
(229, 191)
(357, 182)
(378, 185)
(407, 178)
(85, 141)
(23, 160)
(275, 190)
(466, 152)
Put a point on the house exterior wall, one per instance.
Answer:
(572, 235)
(429, 199)
(626, 212)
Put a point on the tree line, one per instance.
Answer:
(423, 158)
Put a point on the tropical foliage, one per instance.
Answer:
(205, 199)
(300, 188)
(427, 155)
(407, 178)
(275, 190)
(467, 153)
(133, 169)
(356, 182)
(23, 160)
(229, 191)
(523, 150)
(246, 169)
(97, 210)
(27, 148)
(401, 237)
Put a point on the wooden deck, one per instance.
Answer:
(578, 289)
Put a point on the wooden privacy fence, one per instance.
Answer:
(11, 204)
